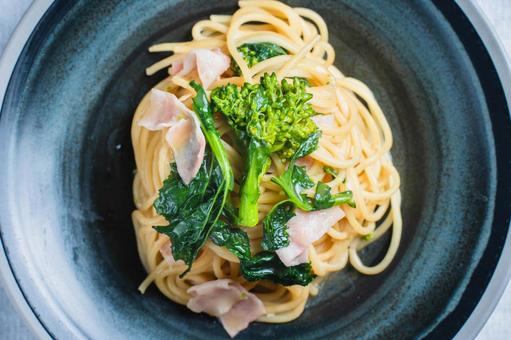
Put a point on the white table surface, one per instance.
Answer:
(498, 326)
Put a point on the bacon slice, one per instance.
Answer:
(184, 135)
(305, 228)
(210, 64)
(232, 304)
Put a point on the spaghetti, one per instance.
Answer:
(355, 143)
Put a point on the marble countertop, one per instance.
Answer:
(498, 327)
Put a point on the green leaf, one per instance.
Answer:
(234, 239)
(323, 198)
(308, 146)
(257, 52)
(295, 179)
(188, 236)
(191, 214)
(275, 234)
(267, 266)
(175, 196)
(229, 213)
(286, 182)
(301, 181)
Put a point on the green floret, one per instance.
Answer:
(275, 113)
(267, 117)
(257, 52)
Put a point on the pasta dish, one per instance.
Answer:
(261, 167)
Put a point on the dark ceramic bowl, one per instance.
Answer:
(66, 169)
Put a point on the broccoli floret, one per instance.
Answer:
(255, 53)
(267, 117)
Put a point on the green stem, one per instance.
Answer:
(345, 197)
(203, 110)
(257, 164)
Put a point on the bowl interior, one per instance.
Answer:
(68, 170)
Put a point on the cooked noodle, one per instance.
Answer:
(357, 146)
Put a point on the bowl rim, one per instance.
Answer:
(502, 273)
(500, 277)
(8, 61)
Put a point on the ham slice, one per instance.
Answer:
(166, 252)
(161, 112)
(306, 161)
(232, 304)
(305, 228)
(184, 135)
(187, 142)
(210, 64)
